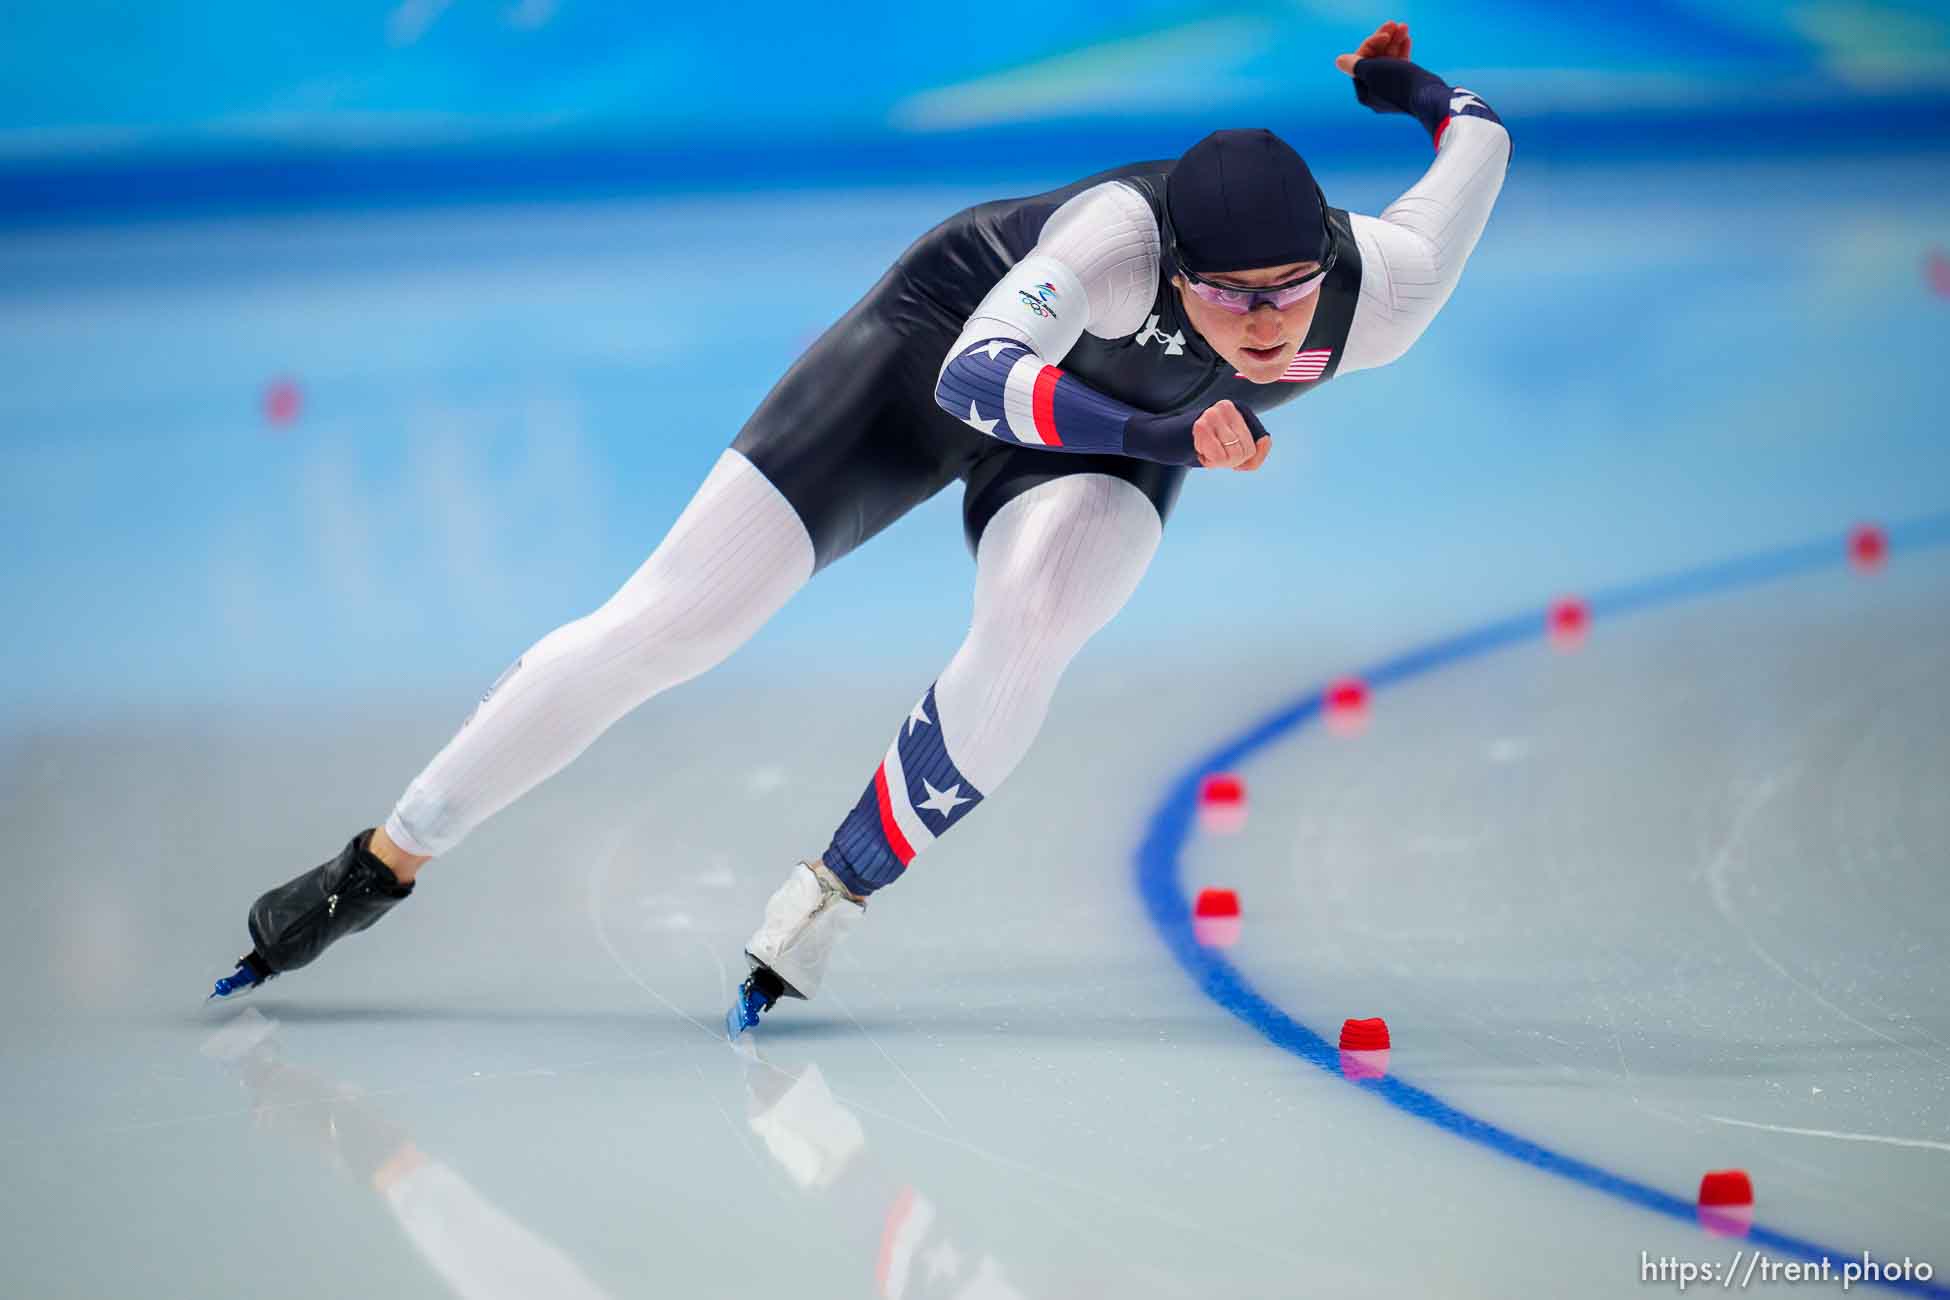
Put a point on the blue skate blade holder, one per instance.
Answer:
(755, 997)
(248, 975)
(745, 1011)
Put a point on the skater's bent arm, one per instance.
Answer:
(1094, 268)
(1413, 254)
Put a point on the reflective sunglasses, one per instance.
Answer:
(1239, 300)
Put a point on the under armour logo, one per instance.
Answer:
(1174, 342)
(1464, 99)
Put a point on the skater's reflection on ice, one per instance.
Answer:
(822, 1147)
(475, 1247)
(811, 1136)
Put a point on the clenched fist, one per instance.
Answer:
(1227, 436)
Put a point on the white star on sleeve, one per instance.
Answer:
(943, 802)
(986, 426)
(994, 347)
(919, 718)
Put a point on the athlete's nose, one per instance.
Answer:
(1263, 322)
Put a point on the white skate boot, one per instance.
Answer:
(810, 913)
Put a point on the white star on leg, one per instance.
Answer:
(940, 801)
(994, 347)
(919, 718)
(975, 419)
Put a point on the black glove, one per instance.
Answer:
(1398, 86)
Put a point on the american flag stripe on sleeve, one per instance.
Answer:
(1004, 390)
(1026, 401)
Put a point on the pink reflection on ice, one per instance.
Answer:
(1215, 931)
(1362, 1066)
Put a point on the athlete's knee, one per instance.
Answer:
(1059, 562)
(1030, 641)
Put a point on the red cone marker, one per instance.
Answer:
(1726, 1202)
(1364, 1049)
(1364, 1035)
(1221, 803)
(1347, 706)
(1222, 787)
(1215, 918)
(283, 399)
(1569, 619)
(1868, 547)
(1937, 271)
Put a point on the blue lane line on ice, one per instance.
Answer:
(1170, 826)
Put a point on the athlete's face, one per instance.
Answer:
(1260, 343)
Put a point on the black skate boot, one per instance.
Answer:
(292, 924)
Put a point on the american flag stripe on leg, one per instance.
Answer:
(889, 827)
(917, 794)
(906, 834)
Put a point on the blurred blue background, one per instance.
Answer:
(348, 349)
(175, 107)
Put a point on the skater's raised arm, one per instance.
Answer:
(1413, 255)
(1094, 268)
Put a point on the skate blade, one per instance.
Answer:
(743, 1016)
(234, 985)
